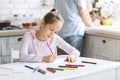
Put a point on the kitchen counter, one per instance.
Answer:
(13, 32)
(104, 31)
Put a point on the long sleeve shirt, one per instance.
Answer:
(32, 49)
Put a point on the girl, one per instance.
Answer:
(40, 46)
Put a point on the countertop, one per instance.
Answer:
(103, 31)
(16, 32)
(19, 32)
(12, 32)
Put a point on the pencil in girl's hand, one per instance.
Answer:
(49, 48)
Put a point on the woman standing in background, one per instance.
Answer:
(76, 17)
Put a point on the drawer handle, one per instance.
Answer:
(19, 39)
(104, 41)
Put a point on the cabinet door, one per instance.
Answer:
(118, 74)
(87, 49)
(15, 42)
(104, 48)
(0, 49)
(118, 50)
(7, 44)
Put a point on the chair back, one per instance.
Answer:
(14, 55)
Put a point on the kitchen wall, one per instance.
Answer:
(10, 9)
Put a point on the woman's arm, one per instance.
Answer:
(85, 16)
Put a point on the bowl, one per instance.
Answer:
(4, 23)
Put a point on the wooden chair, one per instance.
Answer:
(14, 55)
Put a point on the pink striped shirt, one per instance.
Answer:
(32, 49)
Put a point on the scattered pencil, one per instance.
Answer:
(34, 69)
(55, 69)
(52, 71)
(29, 67)
(41, 71)
(68, 66)
(74, 65)
(89, 62)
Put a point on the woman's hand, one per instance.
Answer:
(49, 58)
(70, 58)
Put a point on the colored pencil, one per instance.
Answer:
(41, 71)
(50, 48)
(69, 66)
(52, 71)
(89, 62)
(75, 65)
(29, 67)
(55, 69)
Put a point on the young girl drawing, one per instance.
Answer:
(40, 46)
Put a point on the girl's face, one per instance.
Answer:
(49, 30)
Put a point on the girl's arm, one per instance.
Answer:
(24, 50)
(66, 47)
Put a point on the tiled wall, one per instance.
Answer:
(36, 8)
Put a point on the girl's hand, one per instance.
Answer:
(70, 58)
(49, 58)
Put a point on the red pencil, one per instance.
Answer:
(52, 71)
(75, 65)
(42, 70)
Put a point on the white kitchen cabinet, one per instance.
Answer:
(102, 48)
(6, 44)
(0, 48)
(118, 74)
(118, 50)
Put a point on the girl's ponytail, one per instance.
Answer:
(52, 16)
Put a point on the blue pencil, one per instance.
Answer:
(68, 66)
(29, 67)
(35, 69)
(41, 71)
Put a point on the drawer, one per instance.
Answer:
(15, 39)
(104, 47)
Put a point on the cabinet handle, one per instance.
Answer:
(19, 39)
(104, 41)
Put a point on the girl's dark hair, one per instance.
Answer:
(52, 16)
